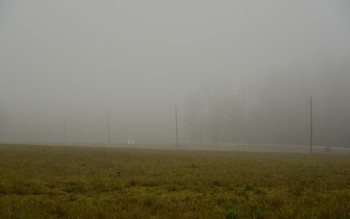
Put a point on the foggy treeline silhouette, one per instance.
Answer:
(274, 108)
(234, 63)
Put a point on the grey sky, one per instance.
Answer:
(75, 59)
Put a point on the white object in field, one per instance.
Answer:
(130, 141)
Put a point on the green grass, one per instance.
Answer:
(86, 182)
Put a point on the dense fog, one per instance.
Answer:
(240, 72)
(276, 108)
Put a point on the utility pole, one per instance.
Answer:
(177, 130)
(108, 133)
(311, 125)
(64, 131)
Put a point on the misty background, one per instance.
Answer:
(239, 71)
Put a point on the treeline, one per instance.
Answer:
(274, 108)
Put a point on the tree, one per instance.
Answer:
(4, 119)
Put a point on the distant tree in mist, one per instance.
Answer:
(194, 118)
(4, 119)
(333, 105)
(274, 109)
(210, 116)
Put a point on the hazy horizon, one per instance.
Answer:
(70, 61)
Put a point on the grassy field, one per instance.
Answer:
(88, 182)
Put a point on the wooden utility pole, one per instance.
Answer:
(311, 125)
(64, 130)
(177, 130)
(108, 133)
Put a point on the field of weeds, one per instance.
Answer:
(87, 182)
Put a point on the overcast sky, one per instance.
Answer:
(74, 60)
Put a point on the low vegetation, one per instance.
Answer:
(86, 182)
